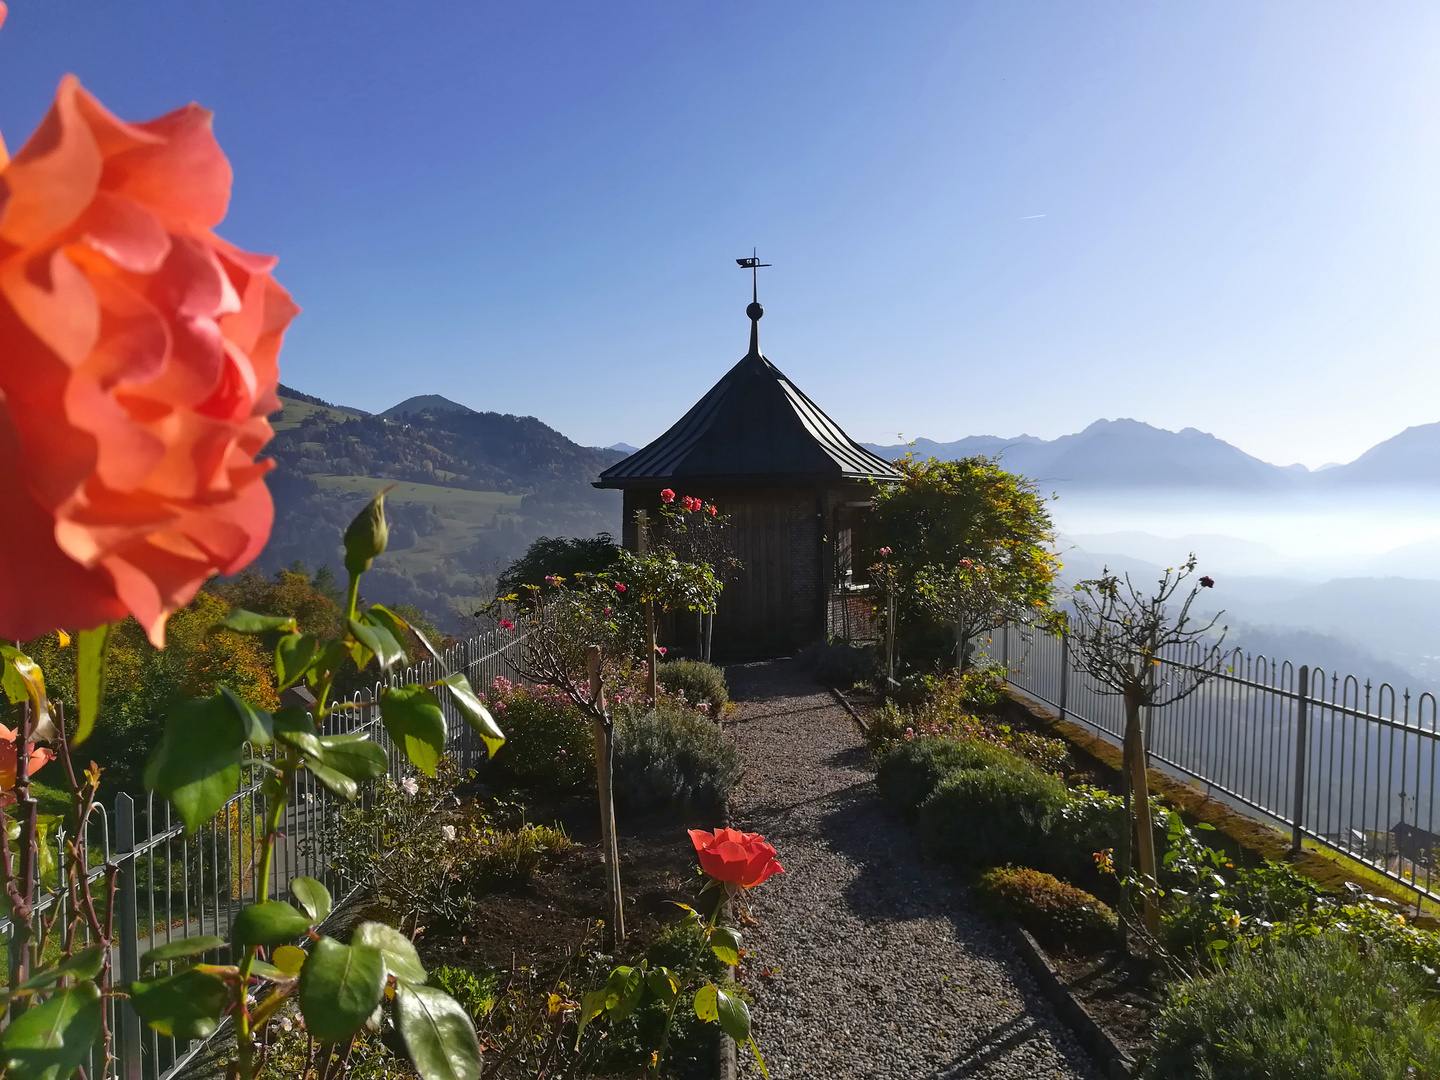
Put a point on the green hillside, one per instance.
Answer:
(469, 492)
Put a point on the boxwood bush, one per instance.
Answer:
(669, 757)
(1320, 1008)
(910, 770)
(700, 683)
(1057, 913)
(988, 816)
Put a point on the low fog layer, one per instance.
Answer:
(1349, 581)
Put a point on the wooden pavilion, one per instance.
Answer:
(795, 487)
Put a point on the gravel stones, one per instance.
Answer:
(866, 961)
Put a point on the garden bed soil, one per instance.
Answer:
(540, 923)
(1122, 994)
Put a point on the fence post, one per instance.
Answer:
(1005, 651)
(1064, 667)
(127, 926)
(1302, 755)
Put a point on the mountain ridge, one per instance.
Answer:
(1126, 453)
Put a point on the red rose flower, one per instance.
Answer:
(667, 496)
(619, 587)
(1207, 582)
(712, 511)
(739, 858)
(506, 624)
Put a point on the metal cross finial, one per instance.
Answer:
(753, 264)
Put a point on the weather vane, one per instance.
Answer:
(753, 264)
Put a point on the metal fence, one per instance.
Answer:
(1342, 765)
(172, 886)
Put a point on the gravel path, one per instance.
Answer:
(881, 969)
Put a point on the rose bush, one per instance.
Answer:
(138, 371)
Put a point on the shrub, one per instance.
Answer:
(548, 743)
(910, 770)
(1092, 820)
(701, 684)
(991, 815)
(1321, 1009)
(669, 757)
(1055, 912)
(837, 665)
(440, 855)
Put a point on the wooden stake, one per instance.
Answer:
(604, 769)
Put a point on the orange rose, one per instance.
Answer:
(8, 769)
(137, 368)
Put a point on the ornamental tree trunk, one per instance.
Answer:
(604, 771)
(1140, 794)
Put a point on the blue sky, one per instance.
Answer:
(984, 218)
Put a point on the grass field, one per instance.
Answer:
(296, 411)
(462, 515)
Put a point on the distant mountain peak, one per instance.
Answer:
(623, 447)
(422, 403)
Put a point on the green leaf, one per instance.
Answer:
(329, 662)
(186, 1005)
(377, 640)
(313, 897)
(340, 986)
(438, 1033)
(354, 755)
(273, 922)
(591, 1006)
(85, 964)
(289, 958)
(662, 985)
(181, 947)
(705, 1007)
(89, 679)
(197, 764)
(734, 1015)
(473, 710)
(335, 781)
(391, 617)
(413, 718)
(725, 944)
(624, 994)
(52, 1039)
(294, 653)
(24, 681)
(380, 615)
(259, 725)
(294, 727)
(247, 622)
(401, 959)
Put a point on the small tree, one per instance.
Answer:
(974, 598)
(1119, 638)
(575, 637)
(659, 578)
(945, 511)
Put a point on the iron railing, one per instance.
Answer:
(170, 885)
(1340, 764)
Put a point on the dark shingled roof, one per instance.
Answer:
(753, 425)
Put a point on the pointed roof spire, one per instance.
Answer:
(754, 425)
(754, 311)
